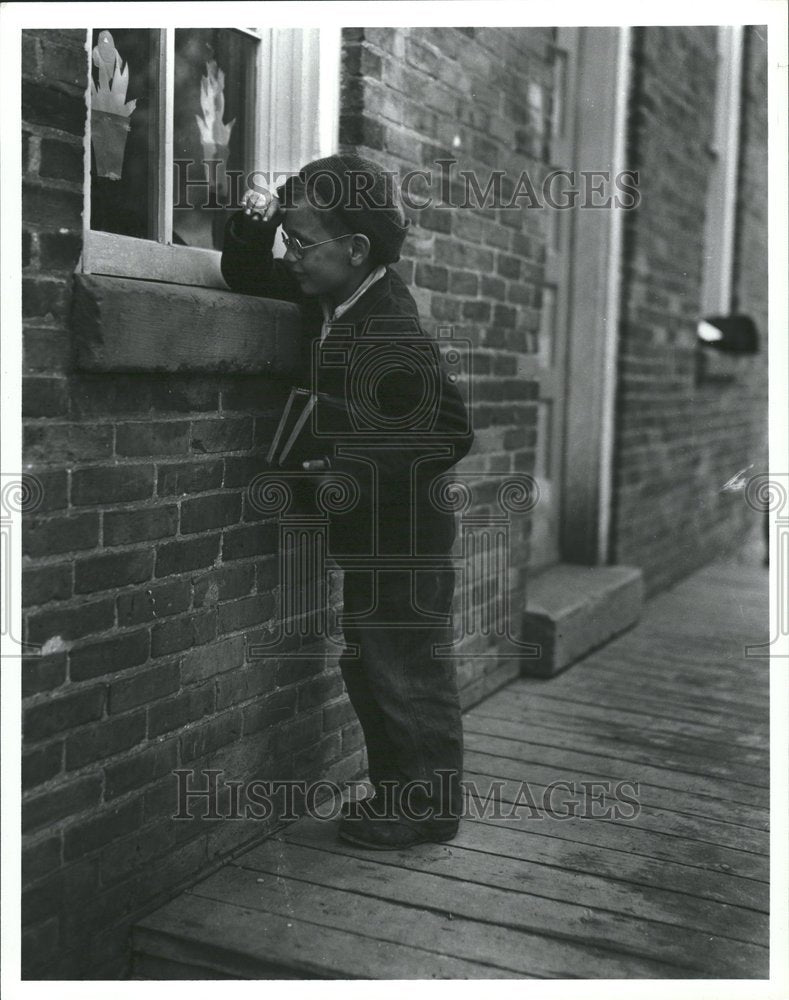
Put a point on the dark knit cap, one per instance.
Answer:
(358, 192)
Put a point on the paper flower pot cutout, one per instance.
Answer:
(109, 112)
(214, 134)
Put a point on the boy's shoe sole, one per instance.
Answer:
(390, 835)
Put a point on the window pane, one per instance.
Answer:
(212, 130)
(124, 107)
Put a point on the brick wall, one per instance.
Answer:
(145, 569)
(678, 441)
(477, 96)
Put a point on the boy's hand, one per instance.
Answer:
(261, 206)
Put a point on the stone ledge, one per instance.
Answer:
(128, 325)
(570, 610)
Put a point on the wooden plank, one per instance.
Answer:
(673, 678)
(701, 829)
(612, 768)
(194, 927)
(282, 883)
(628, 752)
(705, 696)
(583, 925)
(516, 703)
(622, 730)
(646, 843)
(595, 719)
(614, 864)
(676, 706)
(525, 876)
(668, 798)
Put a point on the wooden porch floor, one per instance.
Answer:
(679, 891)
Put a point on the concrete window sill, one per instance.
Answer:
(129, 325)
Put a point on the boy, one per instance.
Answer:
(405, 423)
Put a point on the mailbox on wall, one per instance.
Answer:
(732, 334)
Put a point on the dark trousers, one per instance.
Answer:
(406, 697)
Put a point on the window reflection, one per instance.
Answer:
(124, 70)
(214, 102)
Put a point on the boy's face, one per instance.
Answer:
(325, 270)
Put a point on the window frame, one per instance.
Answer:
(724, 150)
(278, 56)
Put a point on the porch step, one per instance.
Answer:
(570, 610)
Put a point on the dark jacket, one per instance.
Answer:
(401, 422)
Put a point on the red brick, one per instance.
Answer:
(41, 764)
(42, 396)
(183, 394)
(241, 685)
(51, 583)
(49, 536)
(266, 712)
(131, 854)
(62, 713)
(64, 62)
(117, 570)
(42, 673)
(253, 610)
(64, 800)
(252, 540)
(59, 251)
(215, 511)
(109, 656)
(73, 622)
(181, 557)
(173, 713)
(108, 825)
(200, 664)
(145, 687)
(156, 601)
(317, 691)
(45, 350)
(188, 477)
(52, 208)
(58, 443)
(63, 160)
(141, 769)
(227, 434)
(104, 740)
(98, 395)
(223, 583)
(40, 858)
(209, 736)
(152, 438)
(122, 527)
(111, 484)
(182, 633)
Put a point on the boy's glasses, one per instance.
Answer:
(294, 245)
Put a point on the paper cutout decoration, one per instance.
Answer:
(109, 112)
(214, 134)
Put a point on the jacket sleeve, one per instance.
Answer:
(248, 265)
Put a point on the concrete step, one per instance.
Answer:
(570, 610)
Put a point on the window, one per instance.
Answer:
(180, 121)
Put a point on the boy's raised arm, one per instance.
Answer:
(248, 265)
